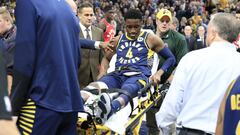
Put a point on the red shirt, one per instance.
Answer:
(109, 32)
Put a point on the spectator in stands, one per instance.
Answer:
(149, 24)
(175, 24)
(196, 18)
(106, 23)
(189, 38)
(193, 26)
(200, 38)
(182, 24)
(8, 35)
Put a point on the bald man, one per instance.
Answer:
(189, 37)
(200, 38)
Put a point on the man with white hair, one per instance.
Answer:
(189, 38)
(201, 79)
(200, 38)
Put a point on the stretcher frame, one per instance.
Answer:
(135, 121)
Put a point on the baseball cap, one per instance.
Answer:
(164, 12)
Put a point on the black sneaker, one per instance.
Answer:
(104, 105)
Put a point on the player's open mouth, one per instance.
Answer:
(132, 35)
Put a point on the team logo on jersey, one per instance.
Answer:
(130, 45)
(140, 39)
(128, 49)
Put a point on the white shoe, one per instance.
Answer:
(104, 105)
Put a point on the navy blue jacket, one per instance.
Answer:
(47, 56)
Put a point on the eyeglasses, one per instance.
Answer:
(166, 21)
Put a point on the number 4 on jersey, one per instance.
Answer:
(129, 53)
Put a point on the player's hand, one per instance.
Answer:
(106, 46)
(156, 78)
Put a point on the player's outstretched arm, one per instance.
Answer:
(156, 44)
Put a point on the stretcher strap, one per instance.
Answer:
(93, 91)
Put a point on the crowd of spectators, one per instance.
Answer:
(187, 12)
(193, 13)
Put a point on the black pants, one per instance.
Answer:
(151, 119)
(188, 131)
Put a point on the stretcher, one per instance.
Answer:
(128, 119)
(123, 121)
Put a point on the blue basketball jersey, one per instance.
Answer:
(135, 54)
(232, 110)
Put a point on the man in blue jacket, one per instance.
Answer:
(45, 94)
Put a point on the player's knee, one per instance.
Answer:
(97, 85)
(132, 89)
(92, 88)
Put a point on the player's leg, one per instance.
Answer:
(104, 103)
(106, 82)
(131, 86)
